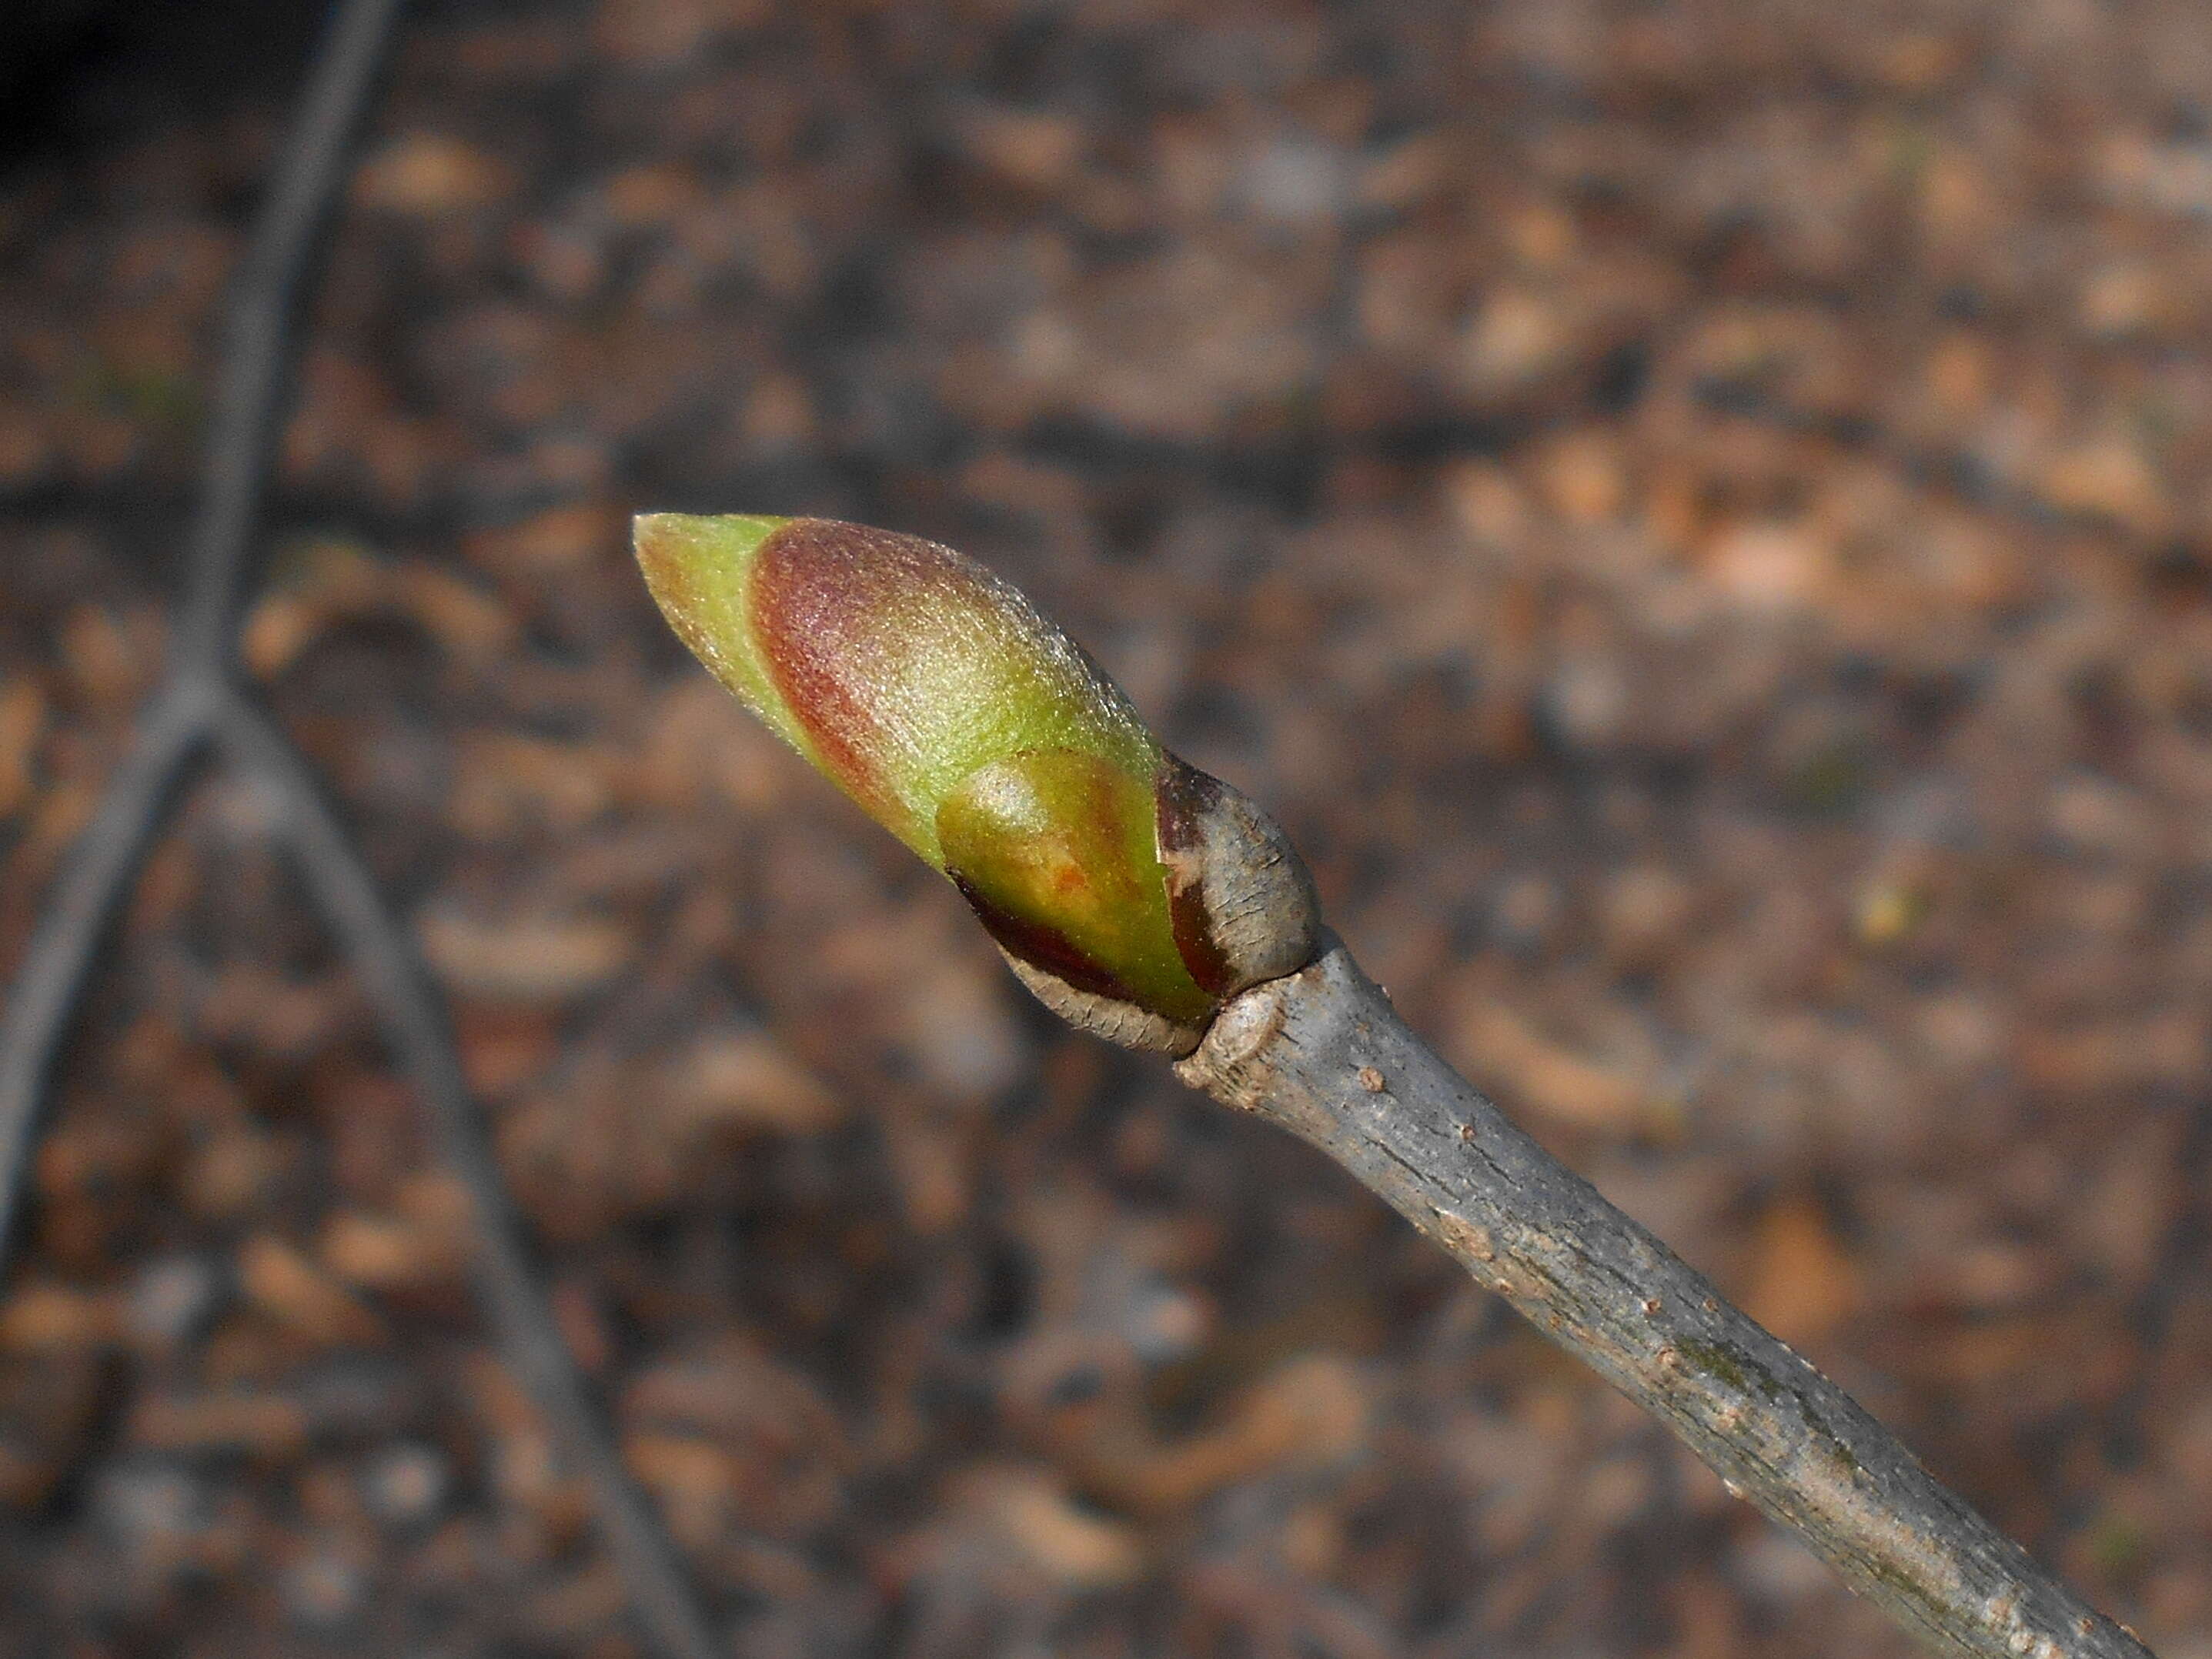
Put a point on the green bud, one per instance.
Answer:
(971, 728)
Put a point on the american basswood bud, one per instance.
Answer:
(1130, 891)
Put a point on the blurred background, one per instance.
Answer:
(1697, 517)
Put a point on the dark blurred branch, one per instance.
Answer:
(200, 701)
(101, 868)
(1323, 1054)
(262, 325)
(404, 995)
(262, 333)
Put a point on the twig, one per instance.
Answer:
(67, 940)
(263, 323)
(1323, 1054)
(401, 987)
(200, 700)
(263, 328)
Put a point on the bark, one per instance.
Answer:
(1323, 1054)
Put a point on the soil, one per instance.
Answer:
(1697, 518)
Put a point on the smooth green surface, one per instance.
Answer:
(696, 568)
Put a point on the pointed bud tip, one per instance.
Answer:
(680, 549)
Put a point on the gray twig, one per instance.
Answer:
(262, 331)
(67, 940)
(1323, 1054)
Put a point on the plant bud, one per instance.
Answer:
(1130, 891)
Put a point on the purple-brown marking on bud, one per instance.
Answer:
(826, 598)
(1184, 796)
(1041, 945)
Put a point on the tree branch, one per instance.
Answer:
(1323, 1054)
(101, 867)
(1159, 908)
(200, 699)
(380, 951)
(261, 331)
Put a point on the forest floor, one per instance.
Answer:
(1697, 518)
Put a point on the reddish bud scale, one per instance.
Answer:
(1187, 798)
